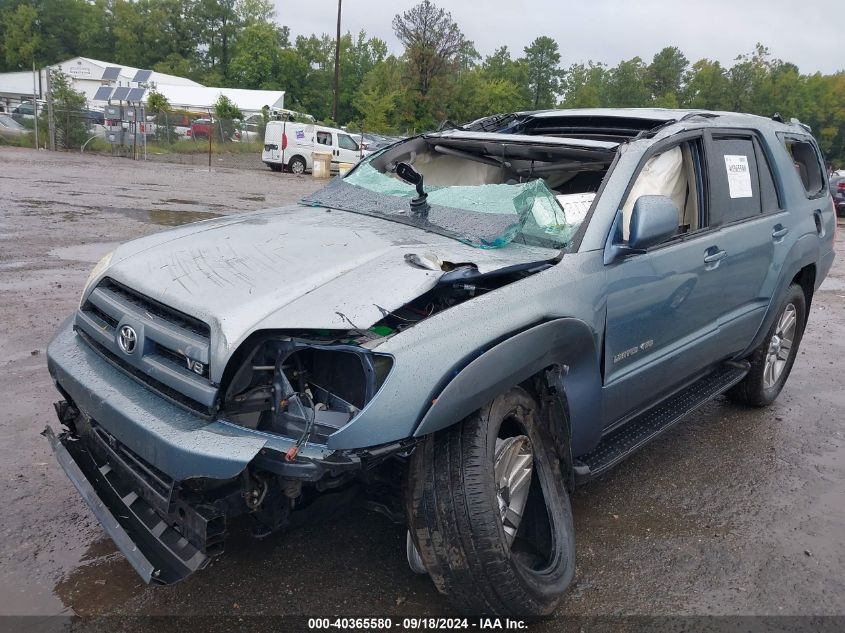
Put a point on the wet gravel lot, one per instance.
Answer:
(734, 512)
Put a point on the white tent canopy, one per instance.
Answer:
(202, 97)
(85, 68)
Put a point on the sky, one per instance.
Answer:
(808, 33)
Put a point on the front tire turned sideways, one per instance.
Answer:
(489, 513)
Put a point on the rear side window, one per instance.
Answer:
(734, 181)
(769, 199)
(808, 164)
(324, 138)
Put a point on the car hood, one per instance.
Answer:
(294, 268)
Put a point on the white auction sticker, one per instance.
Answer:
(739, 176)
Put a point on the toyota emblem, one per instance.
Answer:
(128, 339)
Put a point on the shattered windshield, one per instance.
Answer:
(482, 201)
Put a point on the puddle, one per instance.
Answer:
(177, 218)
(101, 584)
(90, 253)
(164, 217)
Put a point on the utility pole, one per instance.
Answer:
(336, 67)
(35, 101)
(51, 122)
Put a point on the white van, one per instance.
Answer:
(290, 146)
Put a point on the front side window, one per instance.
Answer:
(345, 142)
(674, 174)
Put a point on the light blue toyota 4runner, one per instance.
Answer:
(458, 332)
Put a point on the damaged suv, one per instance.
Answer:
(459, 331)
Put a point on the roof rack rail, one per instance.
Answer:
(796, 121)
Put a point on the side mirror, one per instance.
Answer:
(653, 219)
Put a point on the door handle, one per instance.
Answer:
(779, 232)
(712, 258)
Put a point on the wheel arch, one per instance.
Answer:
(801, 267)
(559, 357)
(300, 157)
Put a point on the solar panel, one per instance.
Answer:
(103, 93)
(111, 73)
(120, 93)
(142, 75)
(136, 94)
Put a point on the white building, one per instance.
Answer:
(87, 77)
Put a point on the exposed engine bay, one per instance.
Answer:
(307, 385)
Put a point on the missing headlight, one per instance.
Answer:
(304, 390)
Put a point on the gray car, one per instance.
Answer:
(458, 332)
(10, 129)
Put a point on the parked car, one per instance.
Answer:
(290, 146)
(462, 330)
(247, 133)
(24, 111)
(10, 129)
(837, 190)
(200, 129)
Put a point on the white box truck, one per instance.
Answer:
(290, 146)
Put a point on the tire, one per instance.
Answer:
(297, 165)
(455, 515)
(765, 380)
(275, 167)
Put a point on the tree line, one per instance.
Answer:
(438, 76)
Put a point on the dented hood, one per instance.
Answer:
(293, 268)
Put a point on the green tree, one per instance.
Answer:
(626, 85)
(68, 112)
(707, 86)
(584, 85)
(21, 41)
(157, 102)
(228, 116)
(542, 62)
(255, 63)
(501, 67)
(666, 74)
(433, 43)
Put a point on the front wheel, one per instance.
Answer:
(773, 360)
(489, 514)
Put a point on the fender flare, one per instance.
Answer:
(804, 252)
(566, 343)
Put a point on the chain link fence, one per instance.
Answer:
(194, 137)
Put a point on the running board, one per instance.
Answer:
(633, 435)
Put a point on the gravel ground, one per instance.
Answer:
(734, 512)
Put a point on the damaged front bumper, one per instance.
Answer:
(154, 549)
(164, 481)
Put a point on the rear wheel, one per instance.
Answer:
(489, 514)
(297, 165)
(773, 360)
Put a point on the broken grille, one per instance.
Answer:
(170, 351)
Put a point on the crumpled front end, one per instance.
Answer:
(166, 482)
